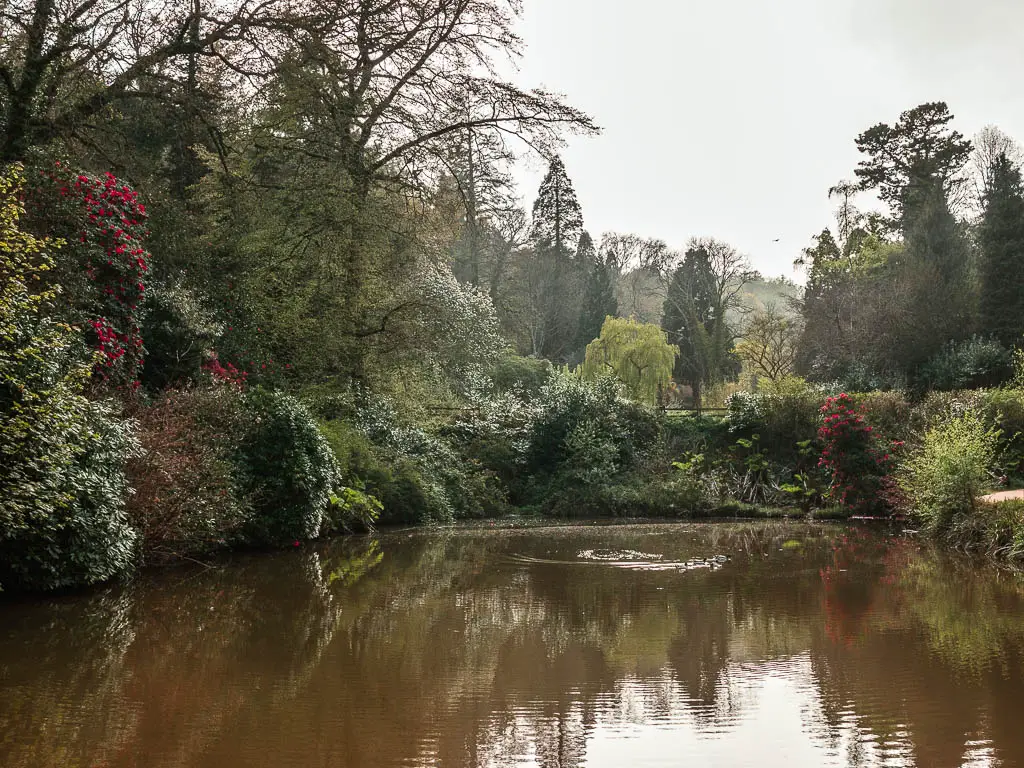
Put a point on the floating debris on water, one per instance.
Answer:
(631, 559)
(616, 554)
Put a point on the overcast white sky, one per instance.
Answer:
(732, 118)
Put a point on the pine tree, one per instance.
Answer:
(586, 251)
(689, 320)
(936, 275)
(1001, 239)
(598, 301)
(907, 160)
(701, 292)
(556, 281)
(557, 217)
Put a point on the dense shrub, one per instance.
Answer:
(859, 377)
(497, 434)
(285, 468)
(676, 495)
(859, 463)
(937, 407)
(994, 529)
(396, 483)
(1003, 410)
(520, 374)
(783, 416)
(62, 486)
(686, 434)
(582, 429)
(586, 440)
(353, 508)
(975, 362)
(187, 498)
(888, 412)
(945, 477)
(179, 330)
(77, 532)
(450, 487)
(747, 411)
(419, 477)
(43, 368)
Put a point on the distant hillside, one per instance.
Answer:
(759, 293)
(642, 295)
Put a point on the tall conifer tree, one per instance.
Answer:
(937, 278)
(554, 275)
(1002, 253)
(598, 300)
(557, 216)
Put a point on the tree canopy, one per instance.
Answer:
(637, 354)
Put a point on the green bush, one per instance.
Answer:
(975, 362)
(686, 434)
(938, 407)
(352, 506)
(860, 377)
(352, 449)
(178, 331)
(945, 477)
(579, 424)
(454, 484)
(521, 374)
(397, 484)
(496, 434)
(889, 412)
(76, 531)
(783, 416)
(994, 529)
(286, 469)
(62, 483)
(418, 478)
(676, 495)
(1003, 409)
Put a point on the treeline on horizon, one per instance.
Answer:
(253, 257)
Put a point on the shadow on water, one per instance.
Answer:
(725, 644)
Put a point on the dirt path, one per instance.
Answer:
(992, 498)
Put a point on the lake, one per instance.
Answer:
(721, 644)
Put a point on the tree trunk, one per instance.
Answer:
(17, 138)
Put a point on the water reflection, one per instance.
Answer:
(798, 645)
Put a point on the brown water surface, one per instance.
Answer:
(770, 644)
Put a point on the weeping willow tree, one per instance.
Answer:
(637, 354)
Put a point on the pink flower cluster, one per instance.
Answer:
(225, 373)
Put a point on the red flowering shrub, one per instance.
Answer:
(224, 373)
(859, 462)
(104, 262)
